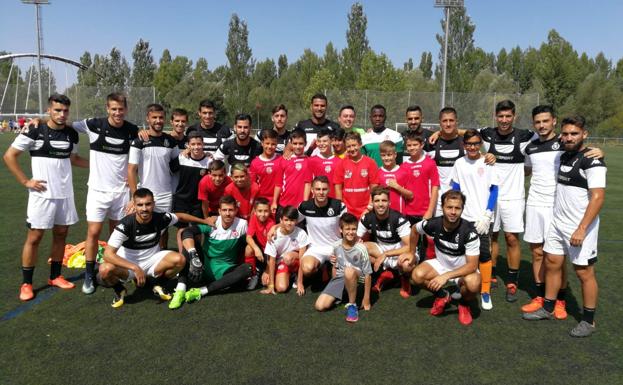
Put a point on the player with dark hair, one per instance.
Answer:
(108, 193)
(324, 162)
(317, 122)
(414, 120)
(212, 132)
(133, 252)
(573, 232)
(265, 168)
(279, 118)
(242, 148)
(179, 120)
(457, 249)
(217, 257)
(346, 118)
(243, 189)
(212, 187)
(379, 133)
(53, 149)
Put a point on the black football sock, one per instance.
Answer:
(55, 269)
(562, 293)
(548, 304)
(588, 314)
(540, 289)
(90, 269)
(512, 275)
(27, 273)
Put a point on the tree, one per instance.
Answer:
(282, 64)
(558, 69)
(169, 73)
(115, 71)
(460, 46)
(426, 65)
(408, 65)
(356, 42)
(87, 77)
(239, 57)
(143, 68)
(378, 73)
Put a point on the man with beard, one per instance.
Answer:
(318, 121)
(212, 132)
(242, 148)
(414, 124)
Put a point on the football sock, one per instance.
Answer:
(204, 291)
(540, 289)
(27, 274)
(588, 314)
(55, 269)
(463, 302)
(512, 275)
(180, 286)
(90, 269)
(441, 293)
(548, 304)
(485, 274)
(562, 294)
(493, 271)
(250, 260)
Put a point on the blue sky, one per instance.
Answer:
(400, 29)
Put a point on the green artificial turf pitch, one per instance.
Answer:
(248, 338)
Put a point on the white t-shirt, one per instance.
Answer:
(475, 178)
(153, 157)
(283, 243)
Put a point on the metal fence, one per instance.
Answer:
(86, 102)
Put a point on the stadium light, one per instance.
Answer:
(38, 4)
(447, 4)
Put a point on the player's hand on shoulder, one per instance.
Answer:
(490, 159)
(143, 135)
(129, 208)
(594, 153)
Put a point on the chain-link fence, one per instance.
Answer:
(86, 102)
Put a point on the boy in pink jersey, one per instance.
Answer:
(324, 163)
(355, 176)
(265, 169)
(395, 178)
(425, 186)
(294, 181)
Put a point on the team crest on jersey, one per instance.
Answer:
(330, 212)
(481, 171)
(348, 174)
(234, 233)
(356, 258)
(269, 170)
(298, 166)
(364, 173)
(555, 146)
(416, 173)
(456, 239)
(327, 168)
(166, 142)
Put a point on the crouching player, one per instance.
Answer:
(457, 249)
(133, 252)
(215, 259)
(257, 237)
(350, 263)
(388, 233)
(285, 250)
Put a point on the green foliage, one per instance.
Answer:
(426, 65)
(143, 68)
(241, 64)
(378, 73)
(357, 45)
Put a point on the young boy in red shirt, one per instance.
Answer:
(212, 187)
(294, 182)
(260, 224)
(242, 189)
(355, 176)
(265, 169)
(324, 163)
(425, 186)
(394, 177)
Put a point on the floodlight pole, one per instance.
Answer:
(445, 59)
(38, 4)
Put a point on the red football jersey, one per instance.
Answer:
(320, 165)
(396, 201)
(259, 230)
(356, 178)
(245, 199)
(211, 193)
(294, 174)
(266, 174)
(424, 175)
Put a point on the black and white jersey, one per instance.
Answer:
(139, 241)
(50, 150)
(426, 133)
(509, 151)
(322, 223)
(312, 129)
(544, 159)
(445, 153)
(233, 152)
(451, 247)
(153, 158)
(213, 137)
(282, 140)
(576, 176)
(190, 173)
(108, 157)
(389, 231)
